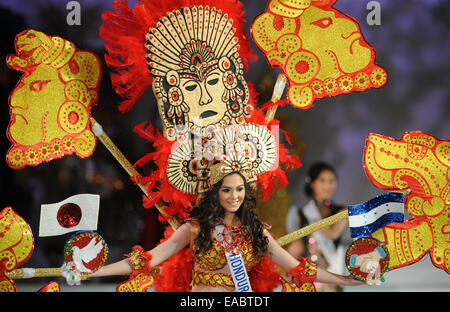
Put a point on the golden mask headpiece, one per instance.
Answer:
(194, 55)
(198, 74)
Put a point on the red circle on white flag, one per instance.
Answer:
(69, 215)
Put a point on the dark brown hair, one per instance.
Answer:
(313, 173)
(210, 213)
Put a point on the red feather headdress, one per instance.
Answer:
(125, 34)
(125, 37)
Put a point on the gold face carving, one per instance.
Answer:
(198, 75)
(418, 162)
(204, 98)
(16, 245)
(341, 48)
(50, 107)
(31, 106)
(321, 50)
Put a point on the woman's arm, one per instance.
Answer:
(323, 276)
(279, 255)
(179, 239)
(296, 248)
(287, 262)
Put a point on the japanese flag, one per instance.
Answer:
(76, 213)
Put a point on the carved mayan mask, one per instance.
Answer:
(321, 50)
(50, 106)
(198, 74)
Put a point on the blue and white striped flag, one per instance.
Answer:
(368, 217)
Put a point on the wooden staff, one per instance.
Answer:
(123, 161)
(48, 272)
(309, 229)
(278, 90)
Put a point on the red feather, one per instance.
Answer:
(176, 272)
(157, 183)
(264, 277)
(267, 180)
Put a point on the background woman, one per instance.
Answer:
(325, 246)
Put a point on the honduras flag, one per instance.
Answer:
(368, 217)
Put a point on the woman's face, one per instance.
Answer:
(232, 192)
(324, 186)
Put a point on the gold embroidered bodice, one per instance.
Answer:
(214, 259)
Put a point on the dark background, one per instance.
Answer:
(411, 44)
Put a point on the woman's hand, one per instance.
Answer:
(323, 276)
(351, 281)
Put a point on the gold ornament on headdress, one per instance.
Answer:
(249, 149)
(221, 170)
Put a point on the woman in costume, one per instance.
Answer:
(325, 246)
(194, 55)
(222, 228)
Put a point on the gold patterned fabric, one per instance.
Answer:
(291, 287)
(304, 272)
(310, 271)
(215, 259)
(139, 283)
(140, 278)
(212, 279)
(137, 260)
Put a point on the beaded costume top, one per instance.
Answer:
(214, 259)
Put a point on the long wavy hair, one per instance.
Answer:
(210, 213)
